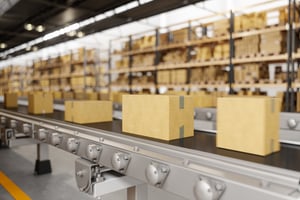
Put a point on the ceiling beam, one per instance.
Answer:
(27, 35)
(61, 6)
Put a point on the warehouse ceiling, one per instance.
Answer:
(53, 15)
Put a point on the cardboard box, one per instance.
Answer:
(91, 96)
(202, 100)
(57, 95)
(67, 95)
(10, 100)
(158, 116)
(104, 96)
(248, 124)
(40, 103)
(86, 111)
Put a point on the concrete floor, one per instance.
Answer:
(18, 164)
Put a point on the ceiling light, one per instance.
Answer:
(40, 28)
(3, 45)
(29, 27)
(35, 48)
(80, 34)
(71, 33)
(28, 48)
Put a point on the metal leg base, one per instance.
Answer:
(42, 167)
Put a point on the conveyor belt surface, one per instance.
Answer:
(287, 158)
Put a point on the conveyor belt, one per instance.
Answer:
(287, 158)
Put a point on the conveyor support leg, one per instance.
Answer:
(42, 163)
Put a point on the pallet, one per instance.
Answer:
(268, 54)
(248, 55)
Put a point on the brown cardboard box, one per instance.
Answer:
(91, 96)
(248, 124)
(57, 95)
(158, 116)
(86, 111)
(172, 92)
(79, 96)
(202, 99)
(117, 97)
(40, 103)
(10, 100)
(67, 95)
(104, 96)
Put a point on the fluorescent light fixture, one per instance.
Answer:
(145, 1)
(109, 13)
(87, 22)
(29, 27)
(40, 28)
(132, 5)
(120, 9)
(3, 45)
(100, 17)
(126, 7)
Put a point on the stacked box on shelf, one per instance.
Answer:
(213, 74)
(221, 51)
(253, 21)
(57, 95)
(143, 79)
(197, 75)
(203, 53)
(104, 95)
(175, 56)
(272, 43)
(247, 46)
(279, 17)
(122, 79)
(163, 39)
(178, 76)
(202, 99)
(251, 73)
(143, 60)
(83, 81)
(221, 27)
(163, 77)
(179, 36)
(144, 42)
(67, 95)
(280, 75)
(122, 63)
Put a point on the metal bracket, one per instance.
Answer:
(120, 161)
(208, 189)
(72, 145)
(55, 139)
(13, 123)
(83, 172)
(157, 173)
(93, 152)
(42, 134)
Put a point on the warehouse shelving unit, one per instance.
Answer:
(230, 37)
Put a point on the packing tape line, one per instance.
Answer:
(181, 132)
(181, 102)
(12, 188)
